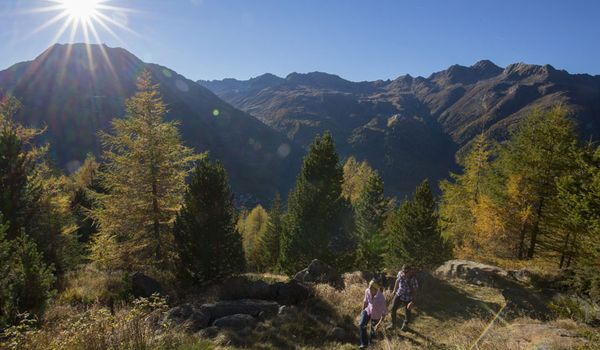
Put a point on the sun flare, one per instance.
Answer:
(82, 10)
(88, 17)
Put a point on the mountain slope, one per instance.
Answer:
(410, 128)
(76, 90)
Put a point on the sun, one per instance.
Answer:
(81, 10)
(91, 18)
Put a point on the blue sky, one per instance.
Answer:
(358, 40)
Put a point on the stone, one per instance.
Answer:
(208, 332)
(290, 293)
(319, 272)
(236, 321)
(188, 317)
(144, 286)
(252, 307)
(472, 272)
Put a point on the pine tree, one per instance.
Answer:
(579, 201)
(315, 225)
(19, 186)
(146, 167)
(355, 178)
(413, 234)
(254, 226)
(463, 199)
(84, 184)
(538, 152)
(206, 240)
(26, 282)
(268, 244)
(369, 213)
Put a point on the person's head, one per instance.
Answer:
(407, 269)
(374, 286)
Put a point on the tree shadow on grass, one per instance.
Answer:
(439, 299)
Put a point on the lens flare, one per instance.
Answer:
(81, 10)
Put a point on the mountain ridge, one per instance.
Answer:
(75, 90)
(384, 121)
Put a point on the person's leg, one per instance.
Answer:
(406, 315)
(373, 324)
(362, 328)
(395, 306)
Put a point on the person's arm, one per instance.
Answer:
(413, 293)
(365, 302)
(380, 322)
(395, 287)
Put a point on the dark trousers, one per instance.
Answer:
(396, 303)
(362, 327)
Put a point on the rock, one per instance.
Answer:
(188, 317)
(143, 285)
(236, 321)
(209, 332)
(522, 275)
(290, 293)
(319, 272)
(260, 290)
(244, 306)
(339, 334)
(472, 272)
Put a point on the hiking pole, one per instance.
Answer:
(487, 328)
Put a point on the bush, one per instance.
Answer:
(26, 282)
(90, 285)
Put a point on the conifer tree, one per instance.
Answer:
(356, 175)
(19, 186)
(26, 281)
(254, 226)
(463, 199)
(206, 239)
(369, 213)
(315, 222)
(413, 234)
(144, 175)
(268, 244)
(538, 152)
(579, 201)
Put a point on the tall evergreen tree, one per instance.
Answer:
(268, 244)
(413, 234)
(206, 240)
(369, 214)
(579, 202)
(538, 152)
(464, 197)
(315, 223)
(19, 186)
(146, 167)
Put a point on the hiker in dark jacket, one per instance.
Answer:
(405, 290)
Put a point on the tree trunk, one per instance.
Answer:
(535, 231)
(563, 253)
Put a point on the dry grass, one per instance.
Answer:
(449, 315)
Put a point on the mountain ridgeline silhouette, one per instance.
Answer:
(409, 128)
(76, 90)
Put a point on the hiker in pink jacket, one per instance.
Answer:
(374, 309)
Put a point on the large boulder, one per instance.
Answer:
(290, 293)
(188, 317)
(236, 322)
(319, 272)
(143, 285)
(473, 272)
(255, 308)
